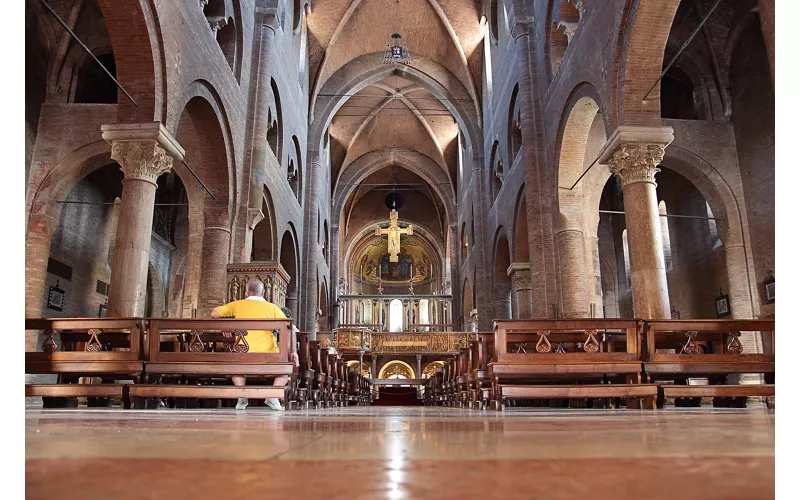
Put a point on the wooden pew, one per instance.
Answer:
(481, 381)
(196, 363)
(725, 357)
(84, 353)
(544, 362)
(305, 374)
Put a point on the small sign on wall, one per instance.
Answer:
(55, 299)
(722, 305)
(769, 288)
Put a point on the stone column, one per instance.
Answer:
(259, 97)
(334, 268)
(213, 274)
(766, 9)
(373, 369)
(311, 248)
(144, 151)
(633, 155)
(520, 273)
(419, 365)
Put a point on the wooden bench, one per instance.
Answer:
(305, 374)
(725, 357)
(85, 351)
(197, 363)
(569, 358)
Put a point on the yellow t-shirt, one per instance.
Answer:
(254, 308)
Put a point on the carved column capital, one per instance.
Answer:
(144, 160)
(521, 279)
(144, 151)
(634, 163)
(254, 216)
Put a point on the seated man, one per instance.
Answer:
(254, 306)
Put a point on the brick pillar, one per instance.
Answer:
(633, 154)
(334, 266)
(37, 252)
(213, 274)
(144, 151)
(766, 10)
(537, 182)
(739, 293)
(594, 289)
(254, 216)
(520, 273)
(311, 248)
(572, 263)
(256, 156)
(455, 290)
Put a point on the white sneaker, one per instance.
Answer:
(242, 403)
(274, 404)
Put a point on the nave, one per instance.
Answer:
(394, 452)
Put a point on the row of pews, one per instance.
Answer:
(611, 362)
(149, 362)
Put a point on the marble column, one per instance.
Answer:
(520, 273)
(373, 369)
(633, 155)
(213, 274)
(419, 366)
(259, 97)
(144, 151)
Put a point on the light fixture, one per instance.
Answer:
(396, 51)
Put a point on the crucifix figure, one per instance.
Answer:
(394, 231)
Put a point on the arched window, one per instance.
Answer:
(662, 210)
(396, 316)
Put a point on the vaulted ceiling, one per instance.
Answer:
(395, 113)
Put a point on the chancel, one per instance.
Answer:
(469, 248)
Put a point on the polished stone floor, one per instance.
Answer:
(392, 452)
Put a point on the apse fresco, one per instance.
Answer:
(415, 256)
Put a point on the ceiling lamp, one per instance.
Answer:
(396, 51)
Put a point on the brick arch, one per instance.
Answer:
(288, 257)
(577, 119)
(501, 282)
(521, 249)
(644, 31)
(215, 125)
(264, 235)
(135, 33)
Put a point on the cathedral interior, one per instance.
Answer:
(500, 254)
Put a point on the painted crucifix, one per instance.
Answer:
(393, 232)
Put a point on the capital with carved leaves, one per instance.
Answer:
(634, 163)
(143, 151)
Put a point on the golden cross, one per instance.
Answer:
(393, 232)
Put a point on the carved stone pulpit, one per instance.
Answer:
(275, 279)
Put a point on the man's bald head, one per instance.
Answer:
(255, 288)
